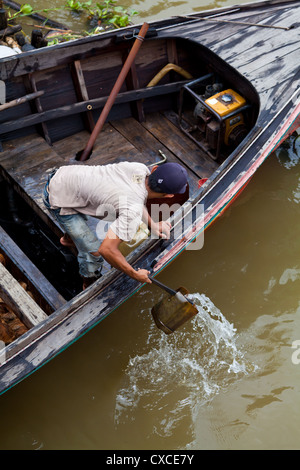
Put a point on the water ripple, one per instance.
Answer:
(182, 370)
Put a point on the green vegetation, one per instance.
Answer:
(107, 12)
(99, 17)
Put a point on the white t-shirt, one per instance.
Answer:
(115, 192)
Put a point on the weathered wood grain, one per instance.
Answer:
(180, 145)
(17, 298)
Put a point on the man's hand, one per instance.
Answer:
(142, 276)
(161, 229)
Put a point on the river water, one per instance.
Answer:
(229, 379)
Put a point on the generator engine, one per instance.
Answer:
(224, 123)
(218, 119)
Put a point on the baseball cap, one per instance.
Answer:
(171, 178)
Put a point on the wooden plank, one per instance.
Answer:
(180, 145)
(32, 274)
(249, 48)
(82, 93)
(271, 99)
(17, 298)
(148, 146)
(214, 33)
(22, 162)
(132, 82)
(110, 147)
(68, 147)
(47, 58)
(277, 72)
(254, 44)
(21, 145)
(35, 105)
(281, 59)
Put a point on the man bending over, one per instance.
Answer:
(121, 190)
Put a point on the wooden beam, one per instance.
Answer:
(36, 105)
(82, 93)
(18, 300)
(96, 103)
(132, 83)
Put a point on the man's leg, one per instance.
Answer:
(77, 230)
(86, 243)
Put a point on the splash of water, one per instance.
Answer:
(182, 370)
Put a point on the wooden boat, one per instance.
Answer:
(244, 58)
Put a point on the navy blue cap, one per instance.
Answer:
(171, 178)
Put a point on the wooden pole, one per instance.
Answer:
(23, 99)
(111, 99)
(10, 30)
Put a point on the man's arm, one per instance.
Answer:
(109, 249)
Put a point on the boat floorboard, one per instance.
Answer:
(27, 161)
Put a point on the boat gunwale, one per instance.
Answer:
(165, 23)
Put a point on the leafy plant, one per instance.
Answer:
(100, 16)
(26, 10)
(76, 6)
(107, 13)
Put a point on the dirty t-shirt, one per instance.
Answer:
(114, 192)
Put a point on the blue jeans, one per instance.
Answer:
(84, 239)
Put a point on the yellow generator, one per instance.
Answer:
(225, 104)
(215, 119)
